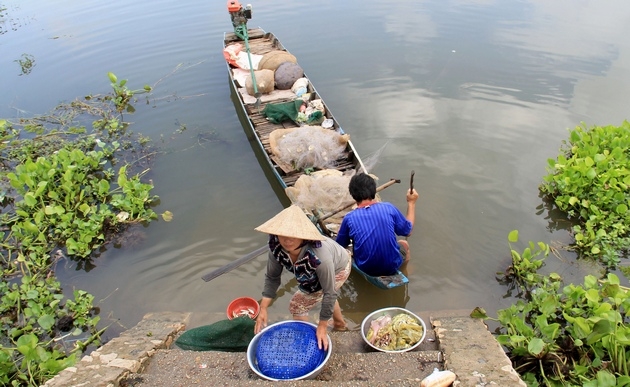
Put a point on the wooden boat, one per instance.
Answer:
(259, 128)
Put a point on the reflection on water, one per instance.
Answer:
(359, 298)
(474, 96)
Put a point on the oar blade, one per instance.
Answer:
(234, 264)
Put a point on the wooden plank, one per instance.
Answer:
(286, 168)
(290, 180)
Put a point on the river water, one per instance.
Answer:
(474, 96)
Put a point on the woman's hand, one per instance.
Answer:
(261, 320)
(322, 335)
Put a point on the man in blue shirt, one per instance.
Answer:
(373, 227)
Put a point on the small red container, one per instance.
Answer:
(243, 306)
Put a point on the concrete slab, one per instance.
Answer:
(143, 356)
(472, 353)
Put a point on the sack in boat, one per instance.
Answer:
(286, 74)
(264, 82)
(237, 57)
(230, 53)
(273, 59)
(300, 87)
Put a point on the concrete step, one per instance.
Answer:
(144, 356)
(183, 368)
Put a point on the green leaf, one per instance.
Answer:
(555, 276)
(513, 236)
(46, 322)
(516, 339)
(167, 216)
(112, 77)
(41, 186)
(592, 295)
(613, 279)
(606, 379)
(103, 187)
(29, 199)
(581, 327)
(27, 343)
(84, 208)
(536, 346)
(590, 281)
(479, 312)
(549, 305)
(600, 329)
(122, 176)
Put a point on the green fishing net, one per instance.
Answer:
(225, 335)
(278, 112)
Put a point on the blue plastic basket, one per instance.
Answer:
(288, 350)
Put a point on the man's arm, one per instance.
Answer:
(412, 197)
(343, 236)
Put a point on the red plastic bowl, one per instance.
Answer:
(243, 306)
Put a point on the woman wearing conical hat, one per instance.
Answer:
(321, 266)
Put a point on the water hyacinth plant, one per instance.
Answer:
(557, 335)
(590, 181)
(64, 193)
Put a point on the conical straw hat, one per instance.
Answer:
(292, 222)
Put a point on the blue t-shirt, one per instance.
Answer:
(372, 231)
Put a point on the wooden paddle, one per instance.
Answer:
(246, 258)
(235, 264)
(378, 189)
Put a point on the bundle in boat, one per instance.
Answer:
(308, 146)
(325, 191)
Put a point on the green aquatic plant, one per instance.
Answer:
(523, 272)
(122, 94)
(26, 62)
(67, 200)
(566, 335)
(590, 181)
(64, 193)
